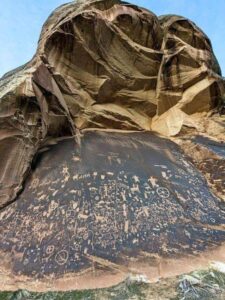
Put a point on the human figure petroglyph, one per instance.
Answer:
(35, 183)
(153, 181)
(103, 191)
(135, 188)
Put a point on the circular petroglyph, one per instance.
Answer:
(50, 249)
(163, 192)
(62, 257)
(76, 246)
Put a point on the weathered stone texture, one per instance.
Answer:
(116, 201)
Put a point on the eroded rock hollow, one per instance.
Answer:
(112, 148)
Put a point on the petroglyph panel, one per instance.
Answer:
(123, 194)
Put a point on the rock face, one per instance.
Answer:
(126, 195)
(106, 201)
(104, 64)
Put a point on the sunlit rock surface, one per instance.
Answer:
(204, 284)
(88, 191)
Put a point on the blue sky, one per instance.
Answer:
(21, 21)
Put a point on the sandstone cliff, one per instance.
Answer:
(115, 67)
